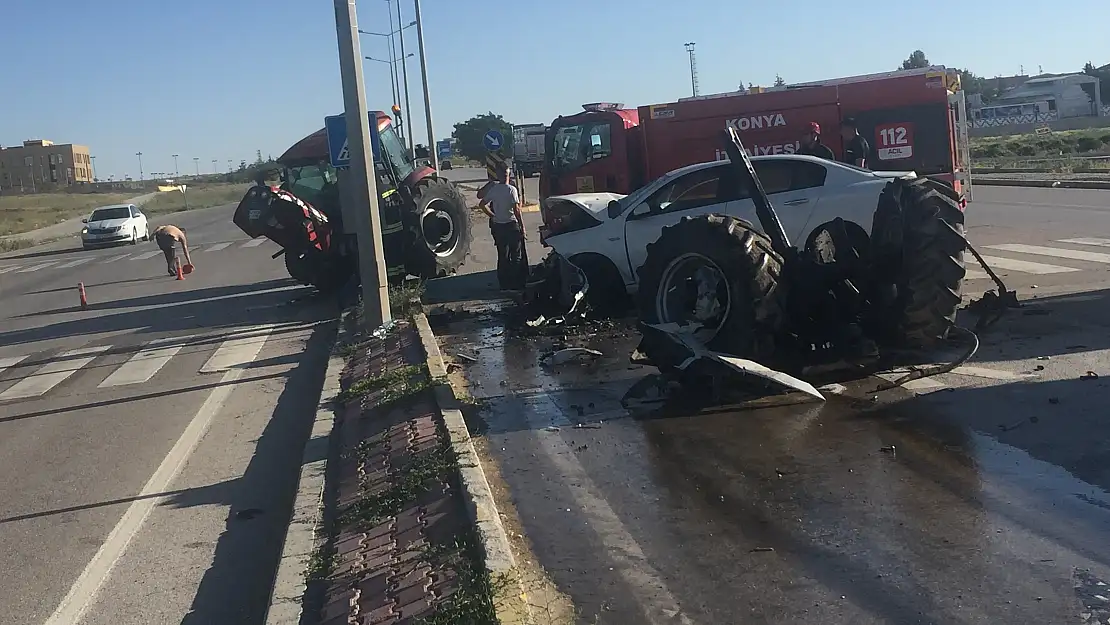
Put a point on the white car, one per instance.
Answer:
(120, 223)
(607, 234)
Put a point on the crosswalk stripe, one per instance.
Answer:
(37, 267)
(73, 263)
(971, 274)
(1024, 266)
(53, 373)
(146, 255)
(217, 247)
(144, 364)
(1057, 252)
(1087, 241)
(238, 352)
(254, 243)
(9, 268)
(115, 258)
(990, 374)
(9, 362)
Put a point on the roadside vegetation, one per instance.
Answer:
(1063, 151)
(24, 213)
(205, 196)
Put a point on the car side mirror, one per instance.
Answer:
(85, 220)
(614, 209)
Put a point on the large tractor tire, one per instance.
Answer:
(443, 229)
(718, 271)
(327, 274)
(918, 234)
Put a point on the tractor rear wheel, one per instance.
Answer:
(918, 235)
(718, 276)
(443, 229)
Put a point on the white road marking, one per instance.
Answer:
(9, 268)
(115, 258)
(11, 361)
(53, 373)
(217, 247)
(144, 364)
(254, 242)
(1057, 252)
(991, 374)
(74, 263)
(971, 274)
(146, 255)
(237, 352)
(645, 583)
(1087, 241)
(1024, 266)
(37, 267)
(83, 592)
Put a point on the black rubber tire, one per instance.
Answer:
(299, 267)
(918, 234)
(607, 295)
(751, 268)
(422, 261)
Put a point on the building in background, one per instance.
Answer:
(1042, 99)
(39, 165)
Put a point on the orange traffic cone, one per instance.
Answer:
(81, 292)
(180, 275)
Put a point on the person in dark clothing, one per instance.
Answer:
(811, 143)
(856, 150)
(501, 203)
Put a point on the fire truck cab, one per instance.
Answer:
(912, 119)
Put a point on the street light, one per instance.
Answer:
(424, 78)
(140, 155)
(393, 74)
(214, 166)
(196, 163)
(92, 159)
(405, 74)
(392, 83)
(176, 171)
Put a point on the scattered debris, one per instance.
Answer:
(763, 549)
(1013, 426)
(587, 426)
(551, 428)
(568, 354)
(1038, 368)
(890, 449)
(383, 330)
(1090, 375)
(1046, 357)
(466, 357)
(1053, 400)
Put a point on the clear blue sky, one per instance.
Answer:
(219, 79)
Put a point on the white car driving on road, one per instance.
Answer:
(607, 235)
(109, 225)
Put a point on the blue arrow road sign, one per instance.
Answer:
(493, 141)
(338, 151)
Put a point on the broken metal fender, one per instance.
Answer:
(697, 351)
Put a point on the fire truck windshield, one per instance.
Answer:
(396, 152)
(577, 145)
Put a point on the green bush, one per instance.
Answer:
(1088, 144)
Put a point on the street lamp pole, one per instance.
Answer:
(92, 159)
(214, 161)
(196, 163)
(176, 171)
(405, 73)
(140, 155)
(393, 61)
(364, 184)
(424, 77)
(392, 85)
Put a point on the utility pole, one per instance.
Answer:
(693, 68)
(405, 73)
(393, 61)
(140, 155)
(214, 161)
(196, 163)
(92, 159)
(364, 184)
(176, 171)
(229, 165)
(427, 96)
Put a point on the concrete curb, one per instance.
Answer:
(287, 593)
(480, 505)
(1043, 183)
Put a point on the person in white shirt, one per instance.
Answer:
(501, 203)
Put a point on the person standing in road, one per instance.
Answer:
(501, 203)
(811, 143)
(855, 147)
(167, 237)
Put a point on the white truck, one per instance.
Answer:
(528, 148)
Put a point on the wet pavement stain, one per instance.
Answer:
(823, 513)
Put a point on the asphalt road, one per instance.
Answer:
(151, 442)
(979, 496)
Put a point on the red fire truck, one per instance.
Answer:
(913, 119)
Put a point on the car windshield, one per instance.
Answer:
(104, 214)
(396, 152)
(574, 146)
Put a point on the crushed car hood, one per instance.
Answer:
(594, 203)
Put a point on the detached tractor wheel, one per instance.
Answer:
(444, 236)
(918, 233)
(718, 276)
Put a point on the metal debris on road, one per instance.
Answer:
(383, 330)
(569, 354)
(465, 357)
(1090, 375)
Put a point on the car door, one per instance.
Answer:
(699, 192)
(136, 222)
(794, 187)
